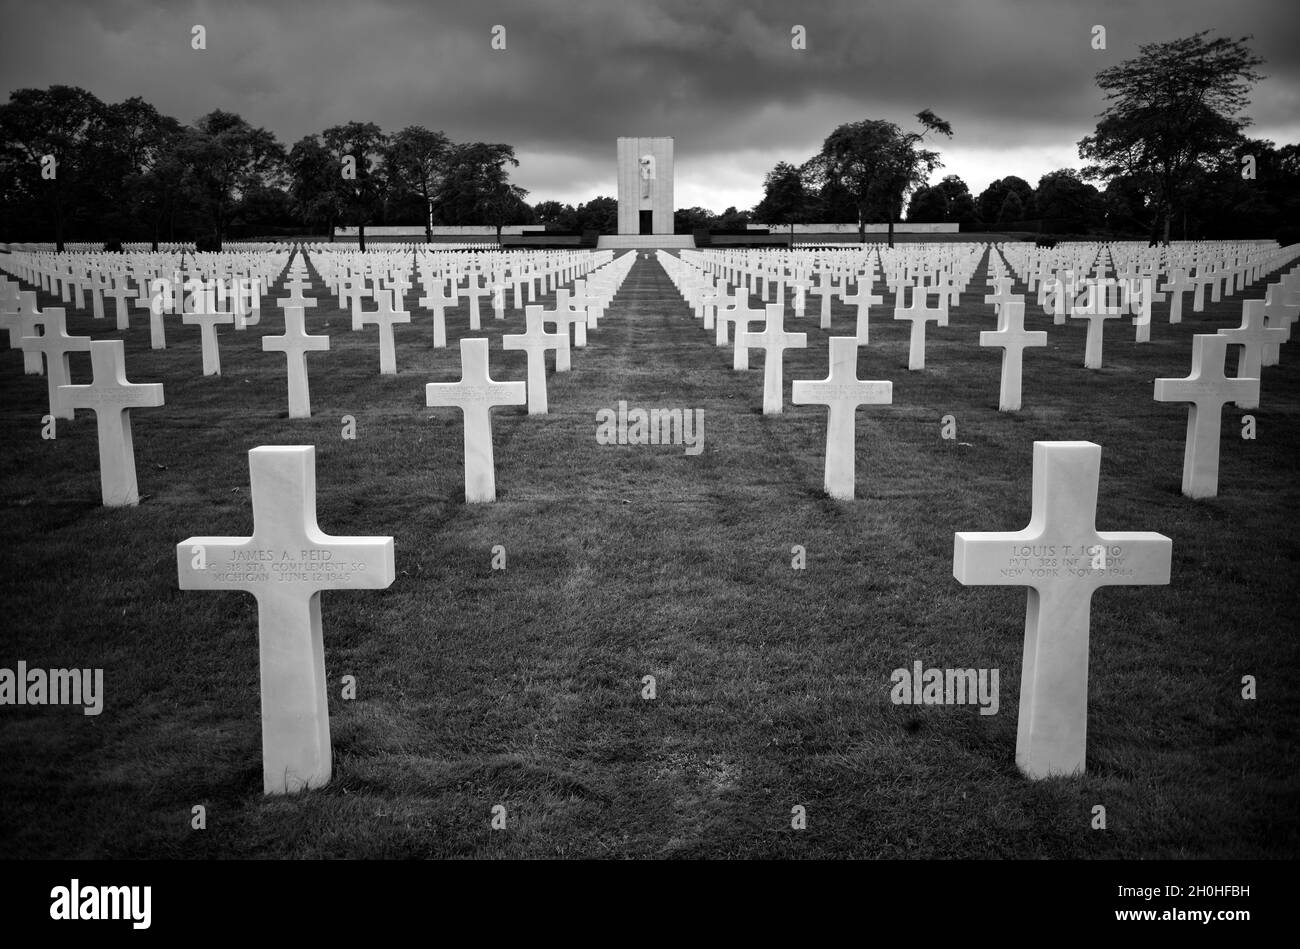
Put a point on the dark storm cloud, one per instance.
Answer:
(1016, 78)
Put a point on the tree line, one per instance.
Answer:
(75, 168)
(1169, 149)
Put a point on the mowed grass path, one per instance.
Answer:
(522, 688)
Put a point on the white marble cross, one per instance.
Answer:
(55, 346)
(774, 341)
(1141, 295)
(474, 289)
(799, 285)
(740, 317)
(295, 299)
(841, 392)
(1177, 283)
(1281, 309)
(385, 317)
(535, 341)
(295, 343)
(285, 564)
(208, 318)
(1253, 335)
(570, 313)
(475, 395)
(826, 290)
(579, 302)
(1063, 559)
(918, 313)
(1061, 288)
(9, 318)
(725, 302)
(352, 289)
(119, 294)
(111, 398)
(1096, 311)
(1012, 336)
(1003, 294)
(31, 322)
(1208, 388)
(863, 299)
(436, 301)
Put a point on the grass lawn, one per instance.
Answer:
(522, 687)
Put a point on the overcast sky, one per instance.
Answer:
(1016, 78)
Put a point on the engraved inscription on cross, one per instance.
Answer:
(1063, 559)
(286, 564)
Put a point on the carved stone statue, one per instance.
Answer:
(647, 174)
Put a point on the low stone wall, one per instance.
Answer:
(906, 227)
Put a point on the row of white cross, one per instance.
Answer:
(1265, 325)
(47, 346)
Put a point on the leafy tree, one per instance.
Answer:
(785, 198)
(143, 166)
(875, 163)
(416, 159)
(358, 148)
(556, 216)
(58, 122)
(733, 220)
(1173, 115)
(989, 204)
(472, 189)
(313, 184)
(229, 158)
(949, 201)
(689, 220)
(1012, 210)
(1125, 205)
(503, 203)
(1062, 196)
(927, 205)
(600, 214)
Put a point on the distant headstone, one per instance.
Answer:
(385, 317)
(535, 341)
(863, 299)
(774, 341)
(841, 392)
(1012, 336)
(208, 318)
(295, 343)
(55, 345)
(918, 314)
(1253, 336)
(475, 395)
(1096, 311)
(1207, 389)
(111, 398)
